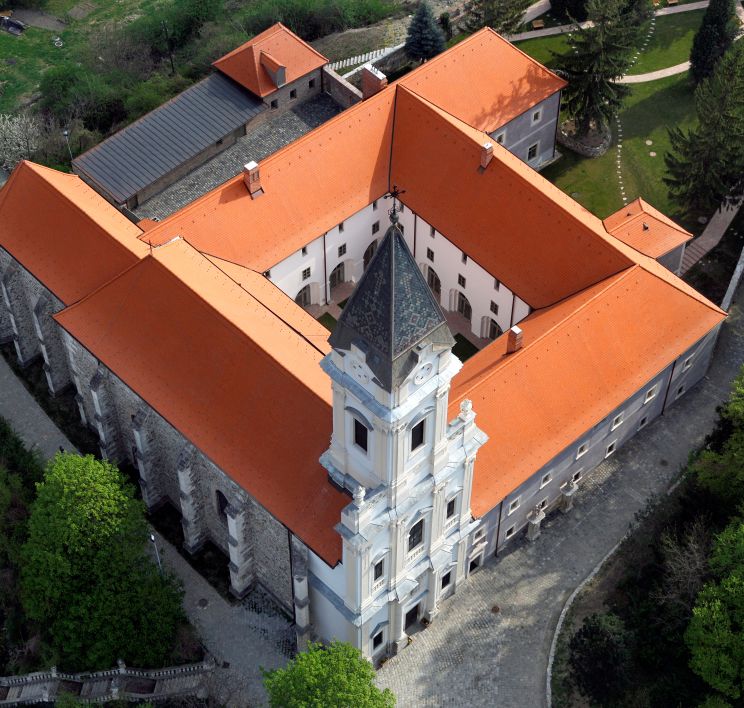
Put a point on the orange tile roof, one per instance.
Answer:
(309, 186)
(279, 47)
(581, 359)
(484, 80)
(219, 363)
(63, 232)
(539, 242)
(646, 229)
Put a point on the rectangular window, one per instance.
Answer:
(446, 578)
(304, 250)
(510, 531)
(341, 227)
(545, 480)
(430, 254)
(360, 434)
(576, 476)
(543, 504)
(451, 504)
(611, 448)
(311, 83)
(514, 505)
(377, 640)
(379, 569)
(494, 308)
(617, 421)
(680, 391)
(532, 152)
(500, 138)
(417, 435)
(306, 273)
(582, 450)
(496, 283)
(374, 205)
(375, 227)
(416, 535)
(464, 258)
(432, 231)
(461, 281)
(293, 94)
(402, 207)
(643, 421)
(536, 116)
(687, 364)
(650, 395)
(341, 250)
(274, 104)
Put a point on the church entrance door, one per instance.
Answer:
(303, 297)
(463, 307)
(412, 617)
(369, 253)
(337, 276)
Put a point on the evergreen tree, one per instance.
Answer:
(573, 10)
(715, 35)
(601, 55)
(706, 164)
(505, 16)
(425, 40)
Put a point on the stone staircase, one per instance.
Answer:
(121, 683)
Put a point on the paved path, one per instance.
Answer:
(242, 637)
(471, 656)
(653, 75)
(711, 237)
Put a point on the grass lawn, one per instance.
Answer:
(648, 112)
(463, 349)
(670, 43)
(328, 321)
(540, 49)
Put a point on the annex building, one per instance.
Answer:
(360, 479)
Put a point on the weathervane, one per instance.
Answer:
(394, 194)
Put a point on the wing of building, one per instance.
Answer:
(361, 482)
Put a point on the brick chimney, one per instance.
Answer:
(514, 340)
(486, 154)
(373, 81)
(252, 179)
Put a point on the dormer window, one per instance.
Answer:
(417, 435)
(361, 435)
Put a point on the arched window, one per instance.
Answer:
(222, 503)
(494, 330)
(434, 283)
(369, 253)
(463, 306)
(337, 276)
(303, 297)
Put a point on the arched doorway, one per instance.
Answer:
(337, 276)
(434, 283)
(490, 328)
(463, 306)
(369, 253)
(303, 297)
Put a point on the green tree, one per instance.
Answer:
(601, 55)
(600, 654)
(425, 40)
(505, 16)
(706, 164)
(714, 36)
(573, 10)
(336, 676)
(85, 574)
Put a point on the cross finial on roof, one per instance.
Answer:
(394, 194)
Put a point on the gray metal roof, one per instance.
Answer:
(391, 312)
(165, 138)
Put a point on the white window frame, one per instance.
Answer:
(582, 450)
(416, 551)
(643, 422)
(500, 137)
(510, 531)
(450, 521)
(680, 391)
(688, 362)
(514, 505)
(382, 641)
(617, 421)
(543, 504)
(609, 452)
(537, 113)
(650, 394)
(537, 152)
(576, 477)
(547, 479)
(378, 584)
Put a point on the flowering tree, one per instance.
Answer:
(20, 136)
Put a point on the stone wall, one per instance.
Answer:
(339, 89)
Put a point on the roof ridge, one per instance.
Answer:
(497, 366)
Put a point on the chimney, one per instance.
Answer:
(486, 154)
(252, 179)
(514, 341)
(373, 81)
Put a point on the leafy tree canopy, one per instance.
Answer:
(85, 575)
(336, 676)
(505, 16)
(425, 39)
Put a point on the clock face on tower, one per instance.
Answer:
(359, 372)
(422, 374)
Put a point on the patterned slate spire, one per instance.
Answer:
(391, 312)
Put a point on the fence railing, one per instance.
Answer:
(361, 58)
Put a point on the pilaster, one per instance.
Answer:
(143, 459)
(194, 533)
(301, 593)
(104, 421)
(240, 550)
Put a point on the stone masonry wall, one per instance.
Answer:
(339, 89)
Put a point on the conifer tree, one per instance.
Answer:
(425, 40)
(601, 55)
(706, 164)
(715, 35)
(505, 16)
